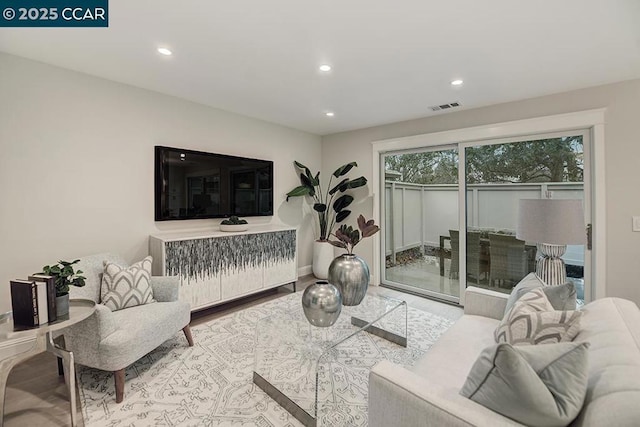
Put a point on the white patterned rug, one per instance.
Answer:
(210, 384)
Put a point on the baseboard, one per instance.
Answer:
(305, 271)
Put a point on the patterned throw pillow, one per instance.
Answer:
(532, 320)
(124, 287)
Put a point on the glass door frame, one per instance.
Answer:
(592, 120)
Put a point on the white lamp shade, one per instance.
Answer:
(552, 221)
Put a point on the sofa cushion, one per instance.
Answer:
(535, 385)
(140, 330)
(561, 297)
(449, 359)
(532, 320)
(612, 327)
(125, 287)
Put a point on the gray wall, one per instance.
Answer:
(76, 165)
(622, 156)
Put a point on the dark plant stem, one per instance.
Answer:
(322, 216)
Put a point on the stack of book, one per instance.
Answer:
(33, 301)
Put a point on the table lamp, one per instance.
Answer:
(552, 224)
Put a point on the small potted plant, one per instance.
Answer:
(65, 277)
(349, 272)
(234, 224)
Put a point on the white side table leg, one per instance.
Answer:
(70, 373)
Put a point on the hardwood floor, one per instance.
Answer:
(37, 396)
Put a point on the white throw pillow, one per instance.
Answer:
(532, 320)
(561, 297)
(124, 287)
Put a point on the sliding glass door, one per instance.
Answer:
(433, 193)
(420, 208)
(497, 175)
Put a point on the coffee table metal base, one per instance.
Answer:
(374, 330)
(288, 404)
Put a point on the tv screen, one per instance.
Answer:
(193, 184)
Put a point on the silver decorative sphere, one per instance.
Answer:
(322, 304)
(350, 274)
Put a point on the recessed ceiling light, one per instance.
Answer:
(457, 82)
(329, 114)
(164, 51)
(324, 68)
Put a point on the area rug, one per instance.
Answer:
(210, 384)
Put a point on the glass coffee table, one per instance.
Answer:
(294, 359)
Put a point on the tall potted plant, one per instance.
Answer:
(330, 203)
(65, 277)
(348, 272)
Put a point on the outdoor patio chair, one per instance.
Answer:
(508, 260)
(476, 265)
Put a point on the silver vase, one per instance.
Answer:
(350, 274)
(322, 304)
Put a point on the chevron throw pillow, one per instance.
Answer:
(532, 320)
(124, 287)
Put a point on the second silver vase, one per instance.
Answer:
(350, 274)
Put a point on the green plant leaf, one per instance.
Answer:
(305, 180)
(320, 207)
(303, 167)
(342, 202)
(339, 186)
(344, 169)
(358, 182)
(298, 191)
(342, 215)
(308, 179)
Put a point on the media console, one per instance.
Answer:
(215, 267)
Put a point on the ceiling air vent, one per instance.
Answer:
(444, 106)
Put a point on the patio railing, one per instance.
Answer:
(417, 214)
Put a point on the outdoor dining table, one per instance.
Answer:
(531, 250)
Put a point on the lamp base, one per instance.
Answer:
(550, 267)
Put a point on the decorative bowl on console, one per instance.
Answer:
(234, 224)
(234, 227)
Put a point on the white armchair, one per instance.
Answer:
(111, 341)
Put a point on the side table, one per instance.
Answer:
(18, 344)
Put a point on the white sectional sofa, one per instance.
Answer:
(428, 394)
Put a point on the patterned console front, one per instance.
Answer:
(223, 266)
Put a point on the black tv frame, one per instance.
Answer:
(159, 174)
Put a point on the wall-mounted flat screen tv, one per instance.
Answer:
(193, 184)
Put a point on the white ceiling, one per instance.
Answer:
(391, 59)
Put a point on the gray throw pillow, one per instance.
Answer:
(532, 320)
(561, 297)
(124, 287)
(543, 385)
